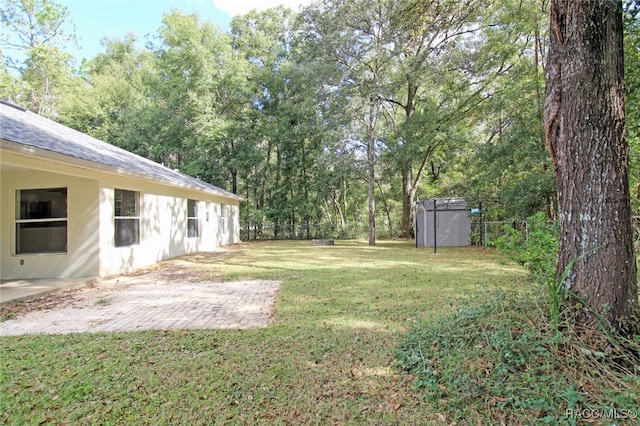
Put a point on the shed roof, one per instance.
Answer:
(452, 203)
(32, 130)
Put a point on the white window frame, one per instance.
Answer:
(223, 220)
(192, 219)
(46, 223)
(126, 216)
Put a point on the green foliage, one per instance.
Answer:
(47, 77)
(632, 86)
(114, 104)
(9, 84)
(33, 36)
(510, 163)
(278, 109)
(535, 248)
(499, 362)
(31, 23)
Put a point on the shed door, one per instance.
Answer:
(421, 227)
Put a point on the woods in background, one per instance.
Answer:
(344, 113)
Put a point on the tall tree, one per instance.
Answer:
(355, 36)
(34, 22)
(279, 118)
(632, 85)
(116, 103)
(584, 125)
(513, 171)
(34, 35)
(428, 76)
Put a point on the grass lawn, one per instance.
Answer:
(328, 357)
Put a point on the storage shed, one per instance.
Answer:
(445, 221)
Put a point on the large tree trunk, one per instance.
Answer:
(371, 170)
(406, 230)
(408, 186)
(584, 123)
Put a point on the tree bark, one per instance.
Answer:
(406, 230)
(408, 187)
(371, 167)
(584, 125)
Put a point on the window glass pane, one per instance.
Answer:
(42, 203)
(41, 237)
(127, 232)
(192, 218)
(192, 209)
(193, 228)
(126, 203)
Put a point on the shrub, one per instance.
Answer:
(537, 249)
(500, 363)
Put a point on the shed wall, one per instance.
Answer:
(453, 229)
(452, 224)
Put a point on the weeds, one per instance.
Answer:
(502, 362)
(537, 250)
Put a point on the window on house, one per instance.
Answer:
(41, 220)
(127, 218)
(192, 219)
(223, 224)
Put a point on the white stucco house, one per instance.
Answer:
(73, 206)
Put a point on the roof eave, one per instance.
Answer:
(47, 155)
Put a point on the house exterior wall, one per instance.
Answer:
(91, 249)
(81, 258)
(163, 228)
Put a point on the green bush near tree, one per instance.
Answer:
(536, 249)
(499, 362)
(516, 355)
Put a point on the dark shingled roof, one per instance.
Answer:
(29, 129)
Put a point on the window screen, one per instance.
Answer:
(41, 220)
(192, 219)
(127, 218)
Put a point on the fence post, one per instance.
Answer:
(485, 233)
(435, 228)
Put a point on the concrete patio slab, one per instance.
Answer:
(20, 290)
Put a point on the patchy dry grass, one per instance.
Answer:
(328, 358)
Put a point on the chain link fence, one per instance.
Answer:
(486, 233)
(302, 231)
